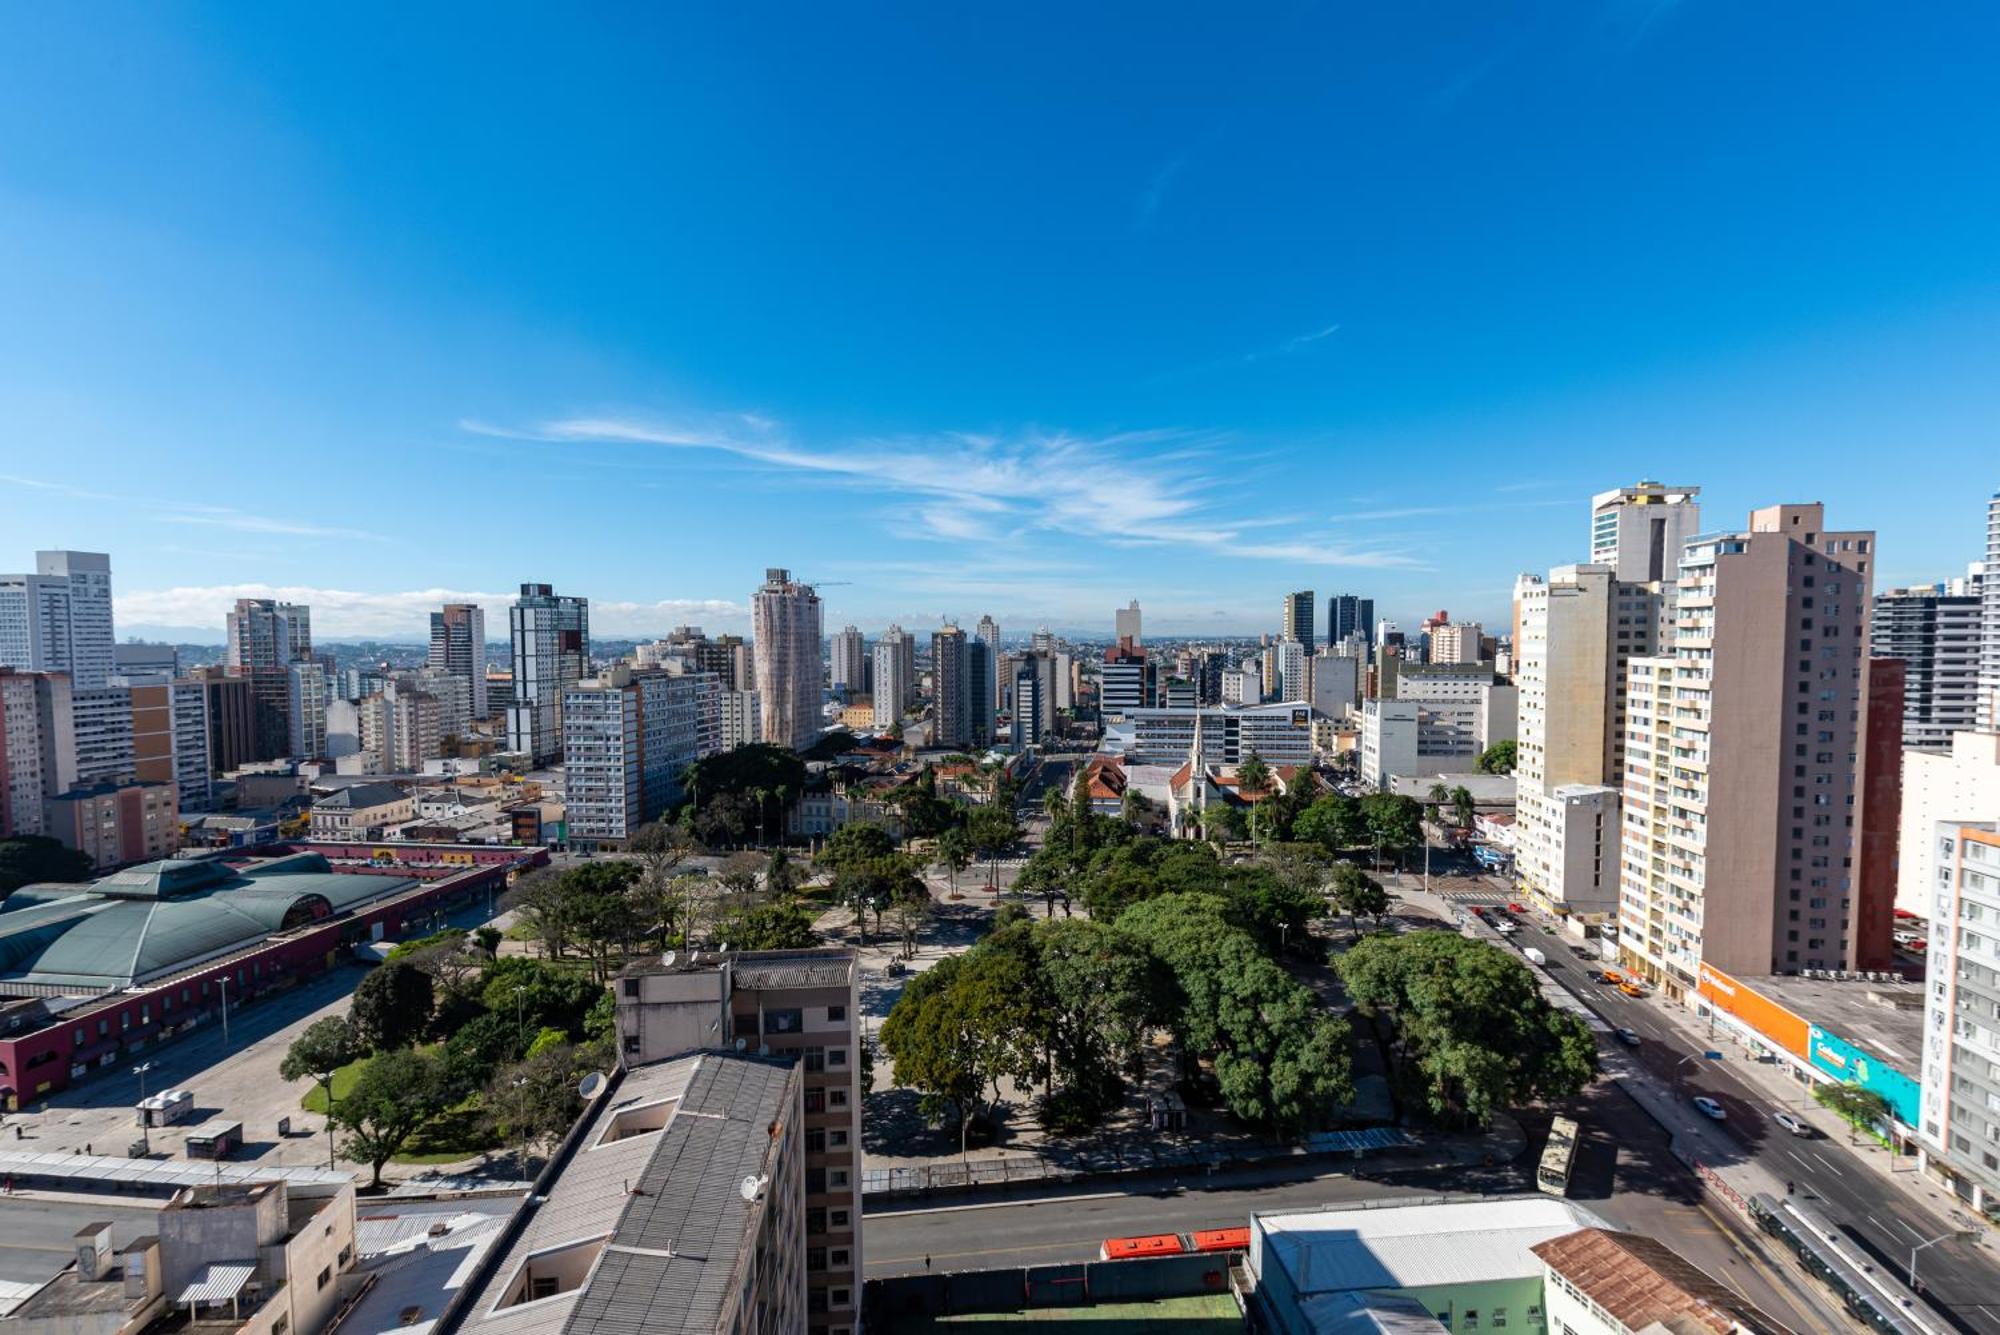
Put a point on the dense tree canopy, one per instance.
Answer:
(392, 1006)
(1472, 1032)
(393, 1094)
(1498, 758)
(30, 858)
(1278, 1057)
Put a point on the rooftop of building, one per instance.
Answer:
(1886, 1019)
(1640, 1282)
(149, 920)
(1414, 1246)
(419, 1253)
(664, 1192)
(361, 797)
(1488, 790)
(759, 970)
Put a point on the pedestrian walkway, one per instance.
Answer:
(1773, 1080)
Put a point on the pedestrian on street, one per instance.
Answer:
(927, 1263)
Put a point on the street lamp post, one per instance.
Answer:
(145, 1117)
(222, 986)
(1942, 1237)
(520, 1021)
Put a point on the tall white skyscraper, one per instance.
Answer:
(895, 675)
(1126, 624)
(785, 622)
(848, 659)
(1989, 628)
(1639, 531)
(58, 619)
(458, 646)
(550, 638)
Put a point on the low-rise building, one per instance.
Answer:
(1599, 1281)
(116, 823)
(361, 812)
(1281, 734)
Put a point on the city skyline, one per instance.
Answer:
(1008, 356)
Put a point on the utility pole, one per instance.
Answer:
(145, 1114)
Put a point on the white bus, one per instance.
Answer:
(1558, 1156)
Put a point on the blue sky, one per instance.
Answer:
(1014, 309)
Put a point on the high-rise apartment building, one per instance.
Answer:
(265, 638)
(58, 619)
(1743, 794)
(627, 738)
(847, 662)
(1296, 619)
(305, 710)
(549, 634)
(1989, 623)
(1126, 625)
(1351, 618)
(1129, 681)
(37, 747)
(785, 623)
(1289, 658)
(232, 719)
(103, 722)
(988, 630)
(895, 675)
(1639, 531)
(961, 689)
(402, 725)
(1575, 633)
(458, 646)
(1455, 642)
(742, 720)
(1029, 702)
(114, 824)
(802, 1006)
(170, 738)
(1935, 631)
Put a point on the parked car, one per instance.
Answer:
(1795, 1124)
(1581, 953)
(1708, 1107)
(1629, 1037)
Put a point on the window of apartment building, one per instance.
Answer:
(816, 1181)
(784, 1021)
(815, 1100)
(631, 987)
(836, 1056)
(815, 1140)
(837, 1178)
(838, 1218)
(836, 1140)
(815, 1300)
(815, 1059)
(842, 1297)
(836, 1014)
(836, 1098)
(325, 1277)
(815, 1258)
(840, 1258)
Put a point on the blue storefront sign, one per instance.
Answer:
(1831, 1053)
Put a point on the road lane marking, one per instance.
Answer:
(1001, 1205)
(1801, 1158)
(1906, 1228)
(1829, 1165)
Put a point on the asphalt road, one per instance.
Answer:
(1960, 1278)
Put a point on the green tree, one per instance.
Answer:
(860, 841)
(1278, 1057)
(1498, 758)
(1463, 808)
(953, 855)
(392, 1007)
(992, 830)
(1472, 1033)
(534, 1101)
(322, 1047)
(533, 995)
(781, 924)
(956, 1031)
(30, 859)
(488, 939)
(477, 1048)
(1393, 823)
(1355, 892)
(1096, 987)
(394, 1093)
(1253, 775)
(1862, 1109)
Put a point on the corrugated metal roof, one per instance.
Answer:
(216, 1283)
(166, 1174)
(1640, 1281)
(1401, 1247)
(674, 1191)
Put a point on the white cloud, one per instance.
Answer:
(349, 614)
(1120, 488)
(248, 523)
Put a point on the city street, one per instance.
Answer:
(1959, 1276)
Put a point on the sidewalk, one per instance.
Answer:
(1771, 1079)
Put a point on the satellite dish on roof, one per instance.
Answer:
(742, 1044)
(667, 960)
(724, 950)
(591, 1086)
(750, 1186)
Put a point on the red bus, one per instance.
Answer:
(1126, 1249)
(1221, 1240)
